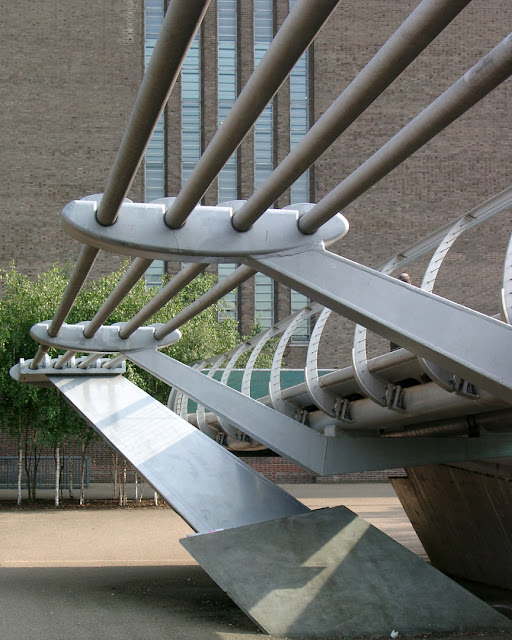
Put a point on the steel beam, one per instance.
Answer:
(208, 486)
(472, 345)
(307, 448)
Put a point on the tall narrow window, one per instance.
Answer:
(263, 301)
(297, 302)
(263, 154)
(299, 119)
(227, 87)
(263, 128)
(299, 191)
(191, 110)
(154, 161)
(229, 303)
(226, 96)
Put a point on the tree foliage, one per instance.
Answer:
(38, 416)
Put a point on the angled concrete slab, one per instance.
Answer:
(331, 572)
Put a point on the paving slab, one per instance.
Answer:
(57, 569)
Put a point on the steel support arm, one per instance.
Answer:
(472, 345)
(302, 445)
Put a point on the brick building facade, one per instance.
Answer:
(70, 75)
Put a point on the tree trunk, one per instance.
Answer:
(82, 473)
(20, 472)
(57, 475)
(121, 470)
(115, 458)
(125, 497)
(155, 499)
(70, 473)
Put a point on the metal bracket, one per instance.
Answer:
(105, 340)
(21, 372)
(207, 236)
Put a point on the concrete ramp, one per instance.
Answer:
(329, 572)
(206, 484)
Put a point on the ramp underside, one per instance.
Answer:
(206, 484)
(329, 572)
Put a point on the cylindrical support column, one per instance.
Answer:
(181, 23)
(135, 271)
(418, 30)
(294, 37)
(217, 292)
(179, 282)
(476, 83)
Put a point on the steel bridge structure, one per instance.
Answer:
(444, 396)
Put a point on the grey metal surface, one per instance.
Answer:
(106, 339)
(329, 573)
(274, 386)
(208, 235)
(476, 83)
(22, 371)
(208, 486)
(201, 409)
(370, 384)
(442, 377)
(182, 20)
(428, 20)
(293, 38)
(506, 292)
(306, 447)
(279, 432)
(321, 397)
(422, 322)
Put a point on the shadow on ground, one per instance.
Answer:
(117, 603)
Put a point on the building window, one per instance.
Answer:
(227, 88)
(263, 128)
(191, 110)
(154, 160)
(263, 301)
(299, 119)
(299, 191)
(303, 332)
(263, 154)
(229, 303)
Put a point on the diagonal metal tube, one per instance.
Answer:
(174, 286)
(476, 83)
(135, 271)
(294, 37)
(181, 23)
(217, 292)
(410, 39)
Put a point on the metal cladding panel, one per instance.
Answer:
(206, 484)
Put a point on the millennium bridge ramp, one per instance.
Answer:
(293, 571)
(443, 397)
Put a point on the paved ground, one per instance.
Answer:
(122, 574)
